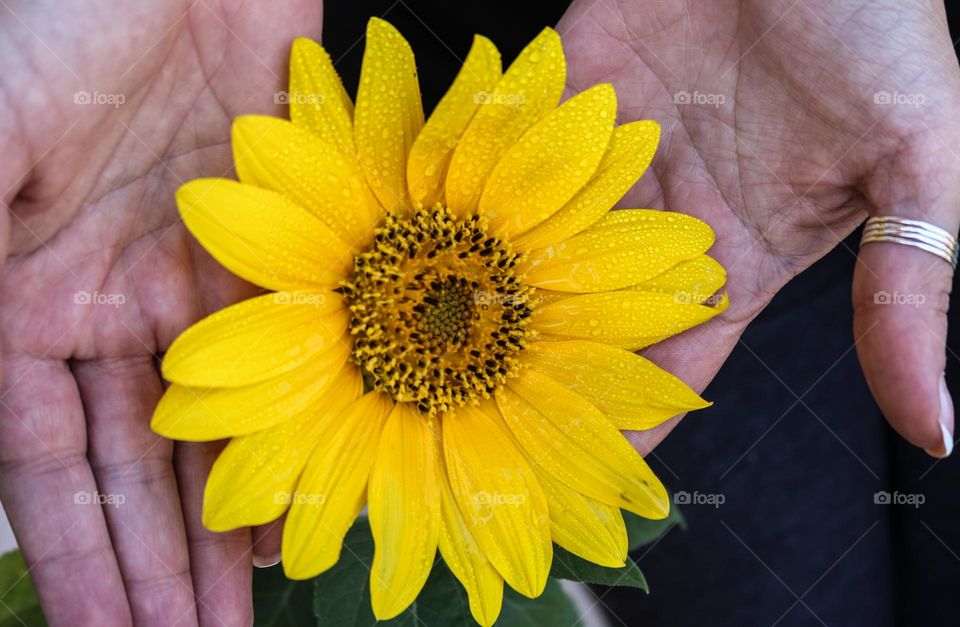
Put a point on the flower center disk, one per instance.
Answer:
(439, 315)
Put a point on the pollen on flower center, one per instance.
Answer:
(447, 311)
(438, 312)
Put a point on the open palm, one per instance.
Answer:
(785, 124)
(771, 134)
(108, 110)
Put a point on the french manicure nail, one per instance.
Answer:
(946, 422)
(266, 561)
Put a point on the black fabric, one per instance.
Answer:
(798, 449)
(794, 442)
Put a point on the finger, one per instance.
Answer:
(135, 477)
(900, 299)
(47, 489)
(220, 562)
(266, 543)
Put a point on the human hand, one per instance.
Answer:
(95, 215)
(785, 124)
(107, 109)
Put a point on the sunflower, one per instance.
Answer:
(448, 337)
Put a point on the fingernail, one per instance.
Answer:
(946, 422)
(266, 561)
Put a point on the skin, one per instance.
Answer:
(90, 197)
(793, 160)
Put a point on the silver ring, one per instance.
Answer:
(916, 233)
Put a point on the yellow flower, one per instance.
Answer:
(450, 330)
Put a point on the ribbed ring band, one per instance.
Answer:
(916, 233)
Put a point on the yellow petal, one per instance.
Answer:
(622, 249)
(626, 318)
(629, 153)
(256, 339)
(693, 281)
(632, 392)
(593, 530)
(529, 90)
(277, 155)
(466, 560)
(262, 236)
(253, 478)
(318, 101)
(569, 438)
(389, 113)
(206, 414)
(499, 497)
(550, 163)
(433, 148)
(404, 509)
(333, 488)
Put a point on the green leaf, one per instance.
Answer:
(443, 601)
(566, 565)
(18, 600)
(341, 596)
(553, 607)
(642, 531)
(280, 602)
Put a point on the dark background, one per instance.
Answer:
(794, 442)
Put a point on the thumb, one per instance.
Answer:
(900, 299)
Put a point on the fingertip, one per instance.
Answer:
(266, 561)
(946, 420)
(899, 299)
(910, 401)
(266, 543)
